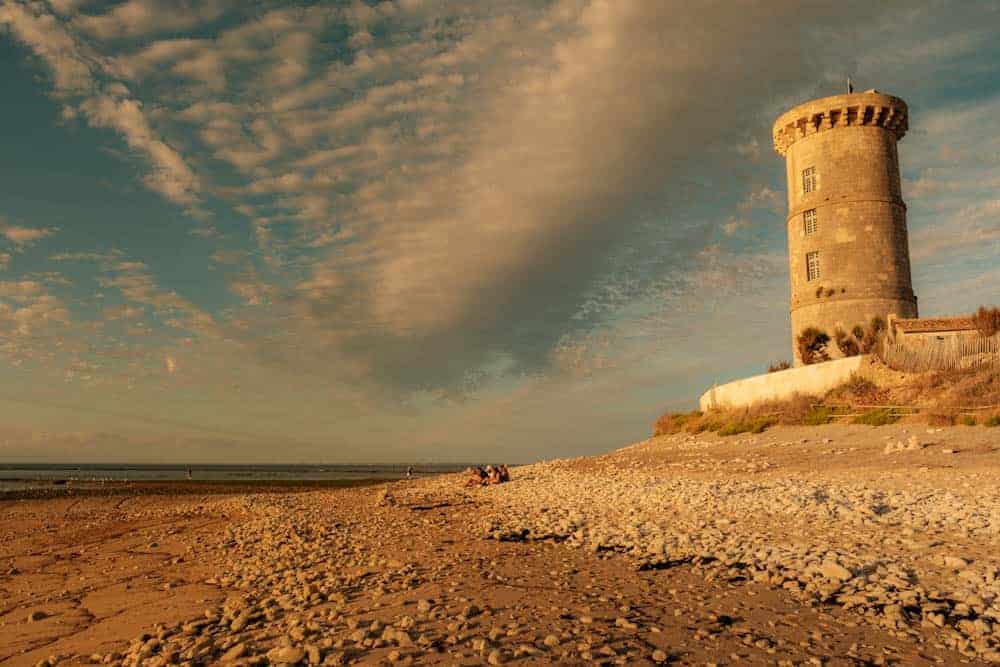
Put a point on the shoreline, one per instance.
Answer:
(75, 489)
(832, 545)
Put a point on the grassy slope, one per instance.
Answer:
(941, 398)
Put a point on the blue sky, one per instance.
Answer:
(436, 230)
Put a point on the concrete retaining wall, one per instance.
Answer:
(816, 380)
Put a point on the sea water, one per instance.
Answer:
(19, 477)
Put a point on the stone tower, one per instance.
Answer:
(848, 252)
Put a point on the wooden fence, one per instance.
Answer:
(931, 354)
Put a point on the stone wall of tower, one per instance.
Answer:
(857, 216)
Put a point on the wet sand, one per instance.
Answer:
(63, 489)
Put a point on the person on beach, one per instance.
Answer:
(476, 476)
(491, 475)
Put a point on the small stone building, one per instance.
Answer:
(928, 329)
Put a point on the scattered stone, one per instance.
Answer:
(234, 653)
(835, 571)
(286, 655)
(300, 587)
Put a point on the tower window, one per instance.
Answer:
(809, 218)
(812, 265)
(809, 179)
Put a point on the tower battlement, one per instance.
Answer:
(870, 108)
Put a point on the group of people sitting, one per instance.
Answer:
(479, 476)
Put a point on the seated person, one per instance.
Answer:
(477, 476)
(493, 475)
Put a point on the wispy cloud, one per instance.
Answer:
(81, 76)
(170, 174)
(974, 226)
(24, 236)
(139, 18)
(69, 61)
(449, 167)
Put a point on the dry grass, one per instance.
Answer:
(755, 419)
(819, 415)
(943, 398)
(846, 343)
(954, 389)
(812, 344)
(749, 425)
(674, 422)
(858, 390)
(776, 366)
(943, 419)
(987, 320)
(877, 417)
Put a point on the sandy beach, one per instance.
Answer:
(840, 545)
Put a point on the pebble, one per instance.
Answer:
(823, 540)
(235, 653)
(835, 571)
(286, 655)
(300, 589)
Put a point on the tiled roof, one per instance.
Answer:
(930, 324)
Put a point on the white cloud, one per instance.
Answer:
(65, 7)
(104, 258)
(565, 146)
(228, 256)
(21, 290)
(25, 307)
(477, 180)
(123, 312)
(137, 18)
(73, 65)
(170, 175)
(24, 236)
(953, 211)
(733, 225)
(69, 61)
(462, 172)
(976, 225)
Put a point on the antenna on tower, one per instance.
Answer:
(850, 86)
